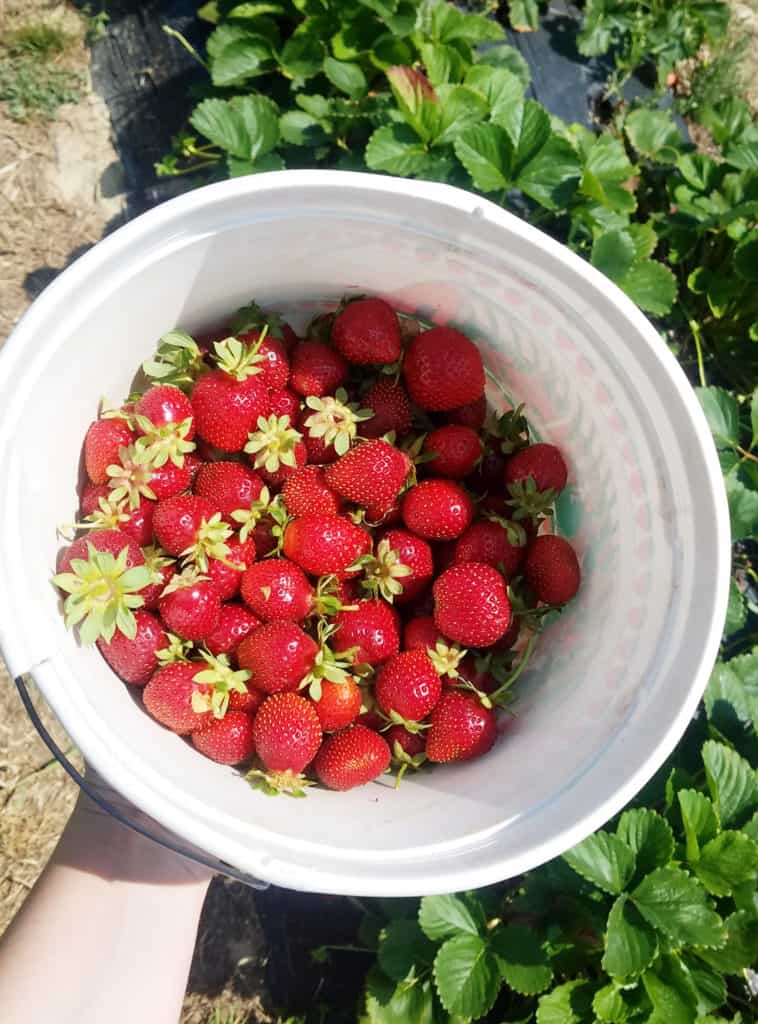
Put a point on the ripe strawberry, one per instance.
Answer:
(499, 544)
(371, 473)
(177, 521)
(325, 544)
(319, 452)
(410, 743)
(339, 704)
(414, 553)
(384, 514)
(235, 622)
(317, 369)
(168, 697)
(306, 493)
(456, 451)
(89, 501)
(371, 717)
(461, 728)
(165, 405)
(408, 686)
(475, 670)
(190, 606)
(287, 735)
(551, 569)
(108, 514)
(373, 628)
(227, 740)
(249, 701)
(437, 509)
(277, 590)
(130, 476)
(352, 757)
(421, 634)
(472, 414)
(284, 402)
(227, 572)
(471, 605)
(543, 462)
(111, 541)
(276, 449)
(278, 655)
(367, 331)
(102, 443)
(332, 420)
(228, 486)
(162, 570)
(228, 401)
(443, 370)
(391, 407)
(444, 556)
(274, 366)
(134, 659)
(192, 464)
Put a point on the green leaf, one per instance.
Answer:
(669, 1004)
(485, 151)
(300, 129)
(595, 36)
(736, 612)
(727, 861)
(613, 253)
(533, 134)
(733, 691)
(676, 904)
(743, 155)
(524, 15)
(743, 508)
(502, 55)
(245, 56)
(648, 836)
(443, 63)
(523, 963)
(644, 239)
(218, 121)
(651, 285)
(751, 829)
(654, 135)
(698, 170)
(754, 416)
(746, 257)
(630, 944)
(458, 108)
(346, 77)
(723, 415)
(708, 987)
(260, 116)
(418, 102)
(504, 93)
(449, 24)
(566, 1004)
(443, 916)
(741, 947)
(411, 1000)
(466, 975)
(302, 56)
(551, 177)
(615, 1005)
(608, 162)
(396, 149)
(603, 859)
(699, 818)
(731, 781)
(402, 944)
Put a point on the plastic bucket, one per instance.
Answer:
(616, 678)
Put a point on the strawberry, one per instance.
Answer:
(227, 572)
(543, 463)
(461, 728)
(169, 694)
(325, 544)
(437, 509)
(134, 659)
(228, 486)
(132, 476)
(421, 634)
(319, 452)
(278, 655)
(249, 701)
(487, 477)
(162, 569)
(472, 414)
(471, 605)
(111, 541)
(410, 743)
(390, 406)
(444, 556)
(367, 331)
(351, 757)
(339, 704)
(456, 451)
(165, 424)
(443, 370)
(551, 569)
(274, 365)
(190, 605)
(317, 369)
(165, 405)
(116, 515)
(306, 493)
(227, 402)
(91, 494)
(102, 443)
(497, 543)
(332, 421)
(178, 521)
(277, 590)
(371, 473)
(284, 402)
(373, 629)
(408, 687)
(371, 717)
(227, 740)
(276, 449)
(414, 553)
(235, 622)
(287, 735)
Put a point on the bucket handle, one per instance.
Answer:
(219, 866)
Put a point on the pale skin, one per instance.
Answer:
(108, 931)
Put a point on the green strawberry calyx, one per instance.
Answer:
(502, 696)
(274, 783)
(131, 476)
(516, 532)
(405, 761)
(102, 593)
(178, 360)
(178, 649)
(326, 600)
(511, 430)
(248, 518)
(109, 515)
(164, 442)
(222, 679)
(210, 542)
(446, 658)
(383, 571)
(188, 577)
(238, 359)
(335, 420)
(273, 443)
(529, 503)
(253, 318)
(334, 667)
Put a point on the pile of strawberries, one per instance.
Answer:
(318, 555)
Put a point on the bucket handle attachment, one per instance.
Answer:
(219, 866)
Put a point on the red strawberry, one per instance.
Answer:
(410, 743)
(168, 697)
(276, 449)
(284, 402)
(274, 366)
(477, 674)
(391, 407)
(193, 464)
(509, 637)
(249, 701)
(495, 543)
(130, 476)
(263, 535)
(543, 462)
(227, 740)
(277, 590)
(319, 452)
(408, 686)
(371, 473)
(169, 479)
(317, 369)
(472, 414)
(287, 735)
(134, 660)
(471, 605)
(112, 541)
(228, 486)
(414, 553)
(91, 495)
(444, 556)
(339, 704)
(278, 477)
(102, 444)
(374, 628)
(177, 521)
(227, 573)
(162, 569)
(461, 728)
(190, 606)
(443, 370)
(278, 655)
(371, 717)
(164, 420)
(306, 493)
(165, 405)
(352, 757)
(437, 509)
(325, 544)
(551, 569)
(367, 331)
(421, 634)
(108, 514)
(227, 402)
(457, 450)
(235, 622)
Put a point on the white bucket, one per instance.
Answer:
(616, 679)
